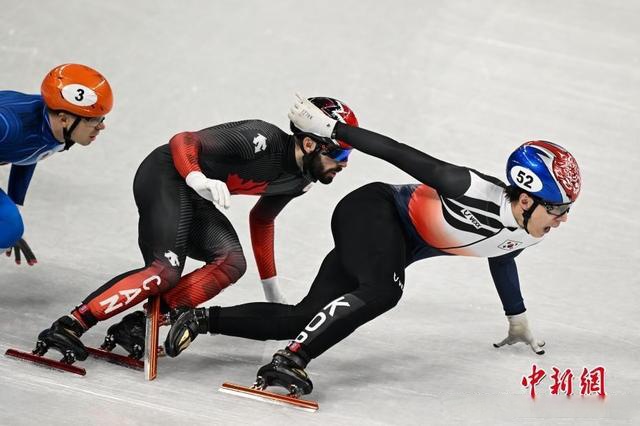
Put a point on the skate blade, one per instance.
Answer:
(151, 338)
(122, 360)
(46, 362)
(273, 398)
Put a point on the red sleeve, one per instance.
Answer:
(185, 150)
(262, 230)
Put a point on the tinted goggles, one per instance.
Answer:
(556, 209)
(337, 154)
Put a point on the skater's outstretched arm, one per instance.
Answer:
(505, 277)
(448, 179)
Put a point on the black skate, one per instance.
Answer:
(187, 325)
(129, 334)
(286, 369)
(63, 336)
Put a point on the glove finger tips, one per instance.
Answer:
(502, 343)
(26, 247)
(227, 196)
(535, 346)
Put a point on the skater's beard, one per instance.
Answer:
(317, 169)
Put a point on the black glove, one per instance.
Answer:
(22, 246)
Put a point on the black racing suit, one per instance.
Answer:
(252, 157)
(378, 230)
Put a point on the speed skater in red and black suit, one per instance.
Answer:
(179, 189)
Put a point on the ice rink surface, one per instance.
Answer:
(464, 81)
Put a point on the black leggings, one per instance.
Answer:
(361, 278)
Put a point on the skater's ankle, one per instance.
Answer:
(72, 324)
(297, 353)
(83, 316)
(214, 316)
(201, 315)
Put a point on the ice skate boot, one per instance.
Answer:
(186, 325)
(63, 336)
(286, 369)
(129, 334)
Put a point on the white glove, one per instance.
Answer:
(213, 190)
(309, 118)
(272, 291)
(519, 332)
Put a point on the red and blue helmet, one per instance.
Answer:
(339, 111)
(546, 171)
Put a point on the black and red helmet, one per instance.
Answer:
(339, 111)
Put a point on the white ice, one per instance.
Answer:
(464, 81)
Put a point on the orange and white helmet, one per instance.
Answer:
(77, 89)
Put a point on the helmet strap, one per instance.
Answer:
(66, 133)
(526, 214)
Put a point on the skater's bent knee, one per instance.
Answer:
(235, 265)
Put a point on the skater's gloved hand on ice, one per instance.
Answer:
(519, 332)
(309, 118)
(272, 291)
(21, 247)
(213, 190)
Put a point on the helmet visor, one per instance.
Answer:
(337, 154)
